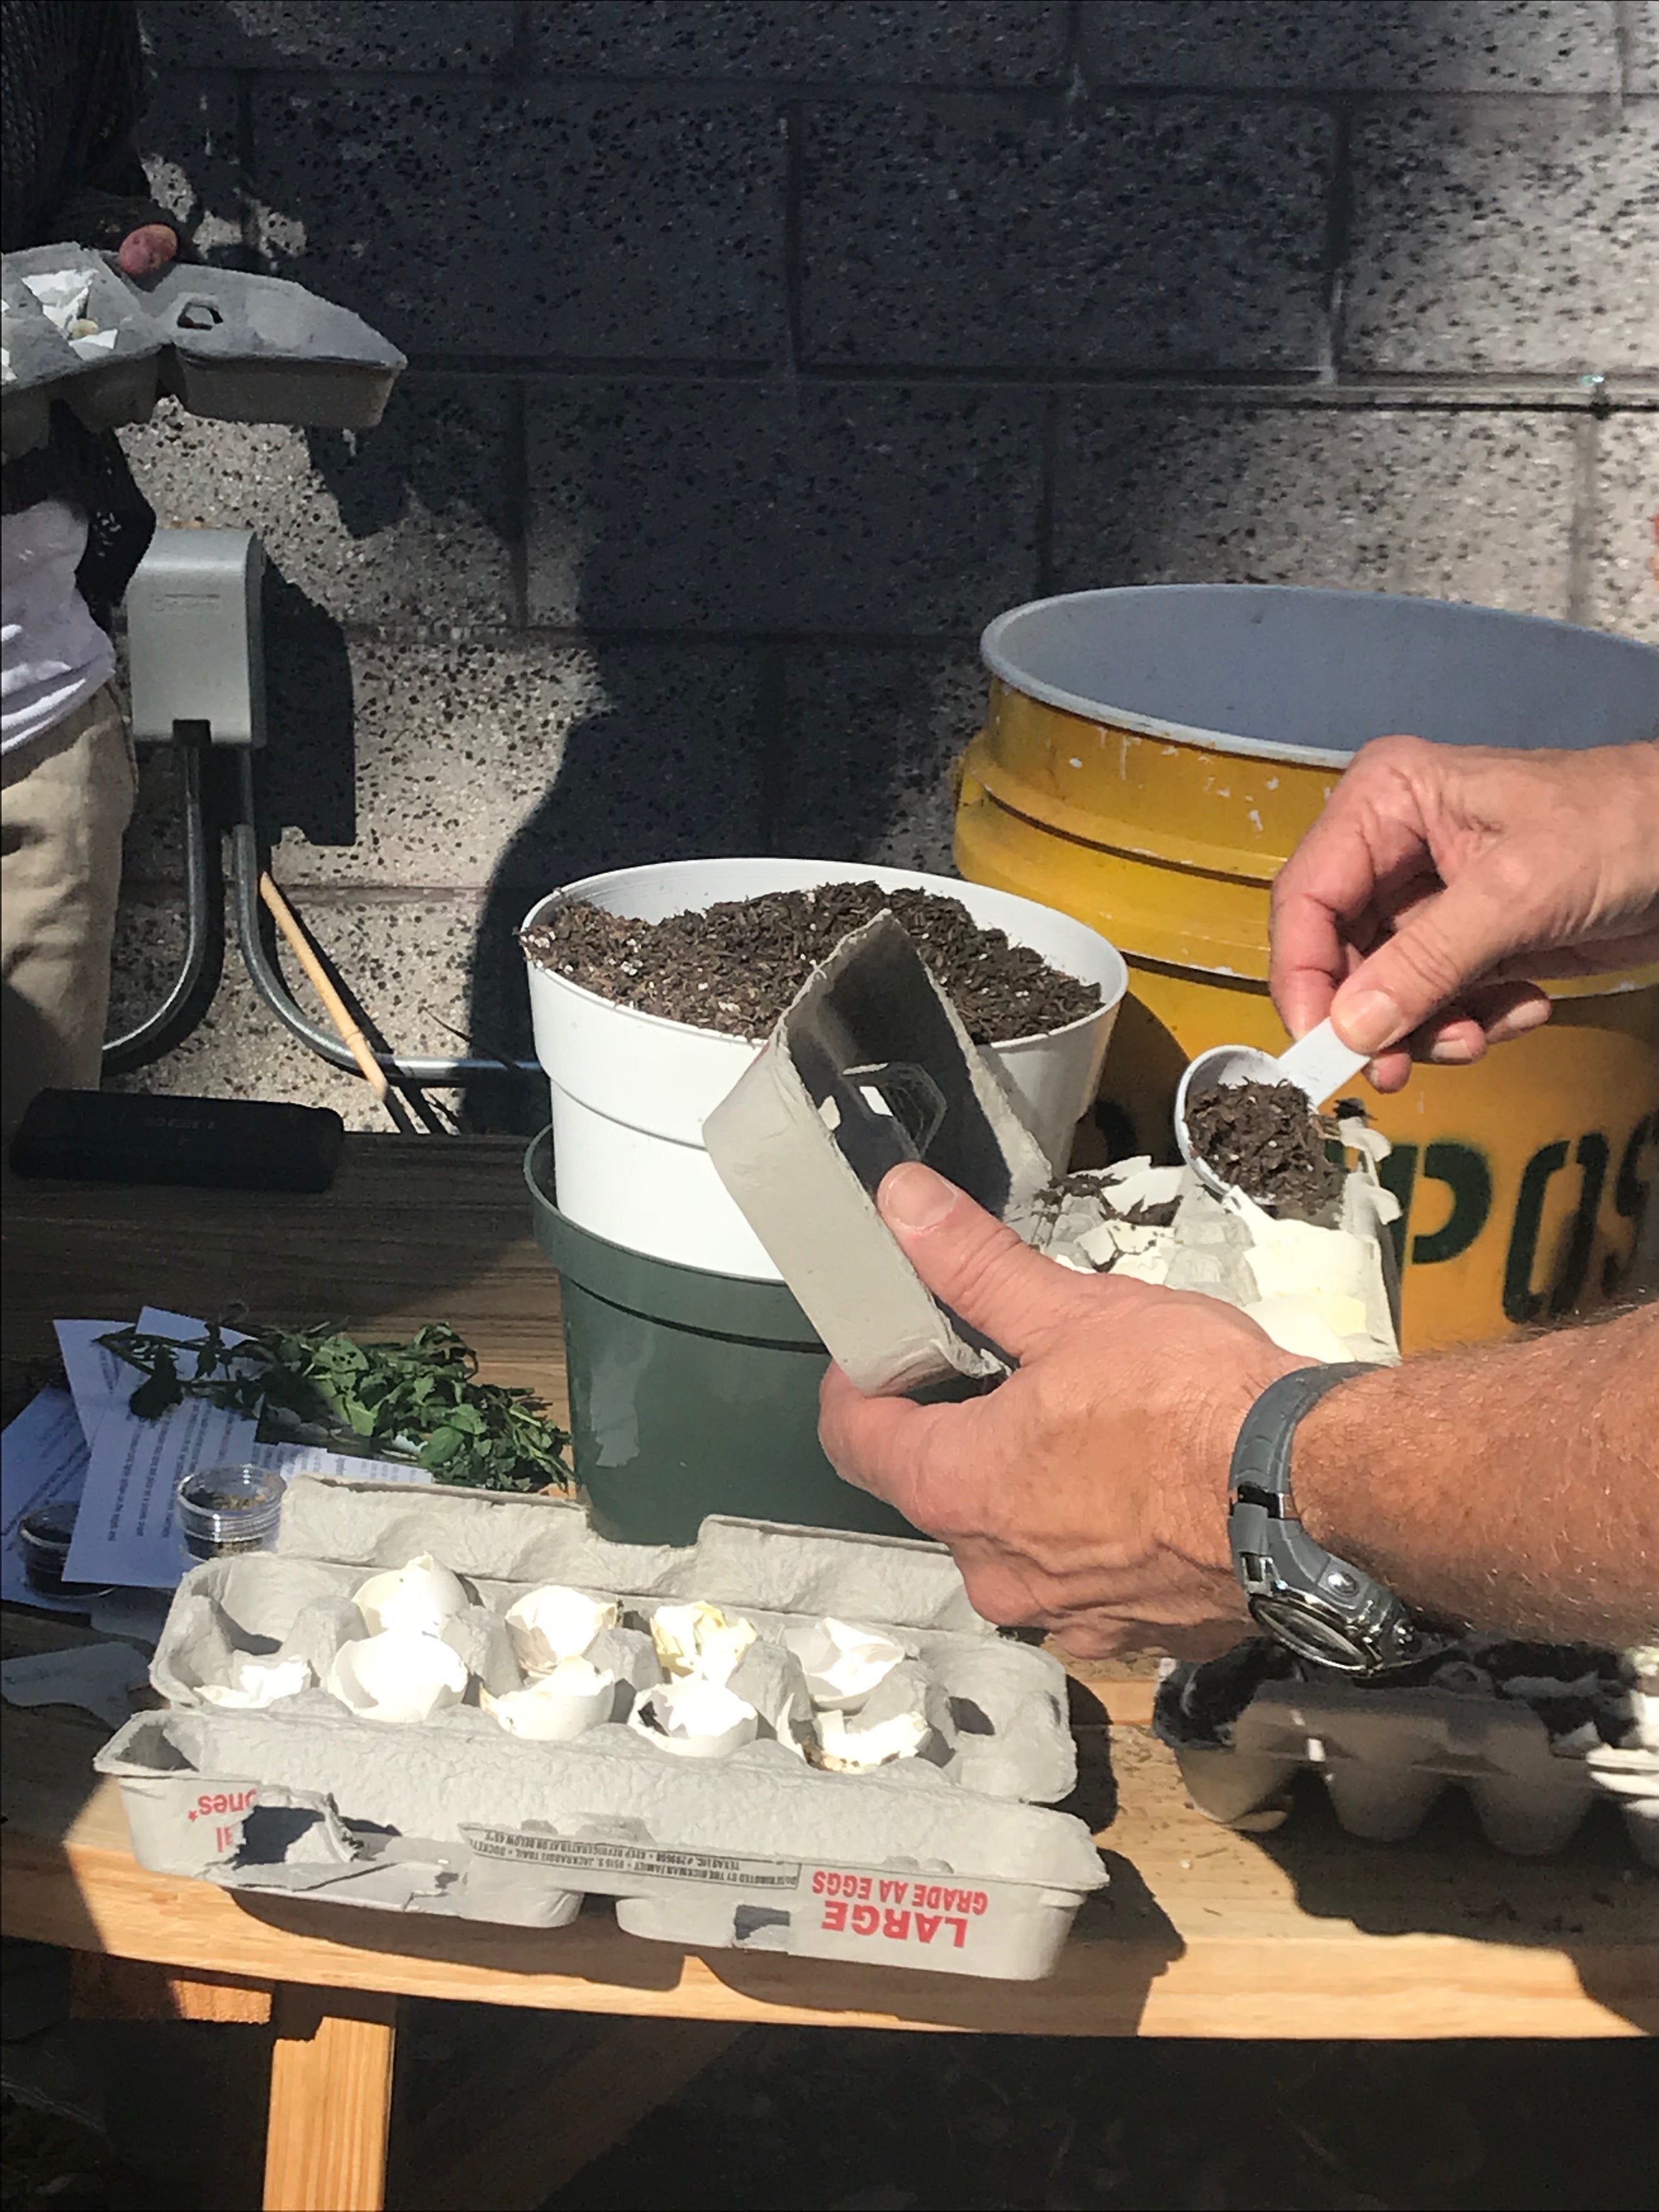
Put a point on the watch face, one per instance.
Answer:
(1312, 1633)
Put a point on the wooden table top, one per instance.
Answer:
(1202, 1932)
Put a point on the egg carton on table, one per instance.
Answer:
(942, 1866)
(1531, 1755)
(231, 346)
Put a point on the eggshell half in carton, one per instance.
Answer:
(842, 1662)
(558, 1706)
(556, 1623)
(419, 1596)
(255, 1682)
(694, 1719)
(698, 1639)
(397, 1675)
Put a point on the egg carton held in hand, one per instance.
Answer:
(1532, 1734)
(927, 1859)
(870, 1064)
(238, 347)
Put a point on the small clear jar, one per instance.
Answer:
(220, 1511)
(43, 1541)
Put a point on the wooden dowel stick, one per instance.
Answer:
(350, 1035)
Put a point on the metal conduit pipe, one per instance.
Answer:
(417, 1071)
(178, 1013)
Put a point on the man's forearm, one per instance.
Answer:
(1514, 1487)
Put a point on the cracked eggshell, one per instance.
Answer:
(1138, 1183)
(699, 1639)
(418, 1597)
(694, 1718)
(848, 1749)
(256, 1683)
(397, 1675)
(556, 1707)
(1313, 1328)
(1145, 1266)
(843, 1662)
(556, 1623)
(1291, 1259)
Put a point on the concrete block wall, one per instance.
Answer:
(761, 350)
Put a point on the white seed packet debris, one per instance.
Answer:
(694, 1719)
(843, 1662)
(397, 1675)
(419, 1596)
(555, 1623)
(257, 1682)
(557, 1706)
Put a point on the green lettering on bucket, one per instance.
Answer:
(1522, 1304)
(1592, 1155)
(1467, 1174)
(1629, 1195)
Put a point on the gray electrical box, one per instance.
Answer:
(195, 648)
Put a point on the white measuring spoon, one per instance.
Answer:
(1318, 1064)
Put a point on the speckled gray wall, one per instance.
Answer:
(762, 350)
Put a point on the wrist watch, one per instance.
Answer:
(1324, 1609)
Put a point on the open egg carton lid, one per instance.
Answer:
(1532, 1734)
(238, 347)
(934, 1861)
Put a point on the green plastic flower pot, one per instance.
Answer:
(690, 1393)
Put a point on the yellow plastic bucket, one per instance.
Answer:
(1150, 758)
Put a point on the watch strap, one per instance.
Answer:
(1323, 1606)
(1261, 1467)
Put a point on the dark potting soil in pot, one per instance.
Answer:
(736, 966)
(1266, 1138)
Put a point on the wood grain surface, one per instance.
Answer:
(331, 2100)
(1202, 1932)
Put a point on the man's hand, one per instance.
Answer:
(1442, 882)
(1088, 1493)
(148, 249)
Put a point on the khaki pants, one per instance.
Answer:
(67, 800)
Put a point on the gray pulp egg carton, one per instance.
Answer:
(240, 348)
(869, 1065)
(936, 1862)
(1531, 1735)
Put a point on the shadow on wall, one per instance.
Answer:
(726, 562)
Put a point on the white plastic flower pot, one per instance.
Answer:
(631, 1091)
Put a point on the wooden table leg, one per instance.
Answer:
(330, 2099)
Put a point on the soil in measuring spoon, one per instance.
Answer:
(1266, 1138)
(736, 966)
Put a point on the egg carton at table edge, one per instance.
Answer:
(937, 1867)
(1386, 1753)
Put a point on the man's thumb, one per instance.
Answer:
(969, 1261)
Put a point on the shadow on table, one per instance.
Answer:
(1447, 1879)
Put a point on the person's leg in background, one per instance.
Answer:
(67, 800)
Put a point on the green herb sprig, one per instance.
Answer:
(421, 1400)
